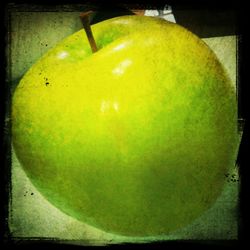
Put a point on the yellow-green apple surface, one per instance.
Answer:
(133, 139)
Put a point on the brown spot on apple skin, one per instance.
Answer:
(231, 177)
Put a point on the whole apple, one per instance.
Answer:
(135, 138)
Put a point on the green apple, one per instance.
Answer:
(133, 139)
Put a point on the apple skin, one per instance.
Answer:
(133, 139)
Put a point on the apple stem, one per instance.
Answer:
(86, 25)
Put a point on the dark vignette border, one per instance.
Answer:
(242, 55)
